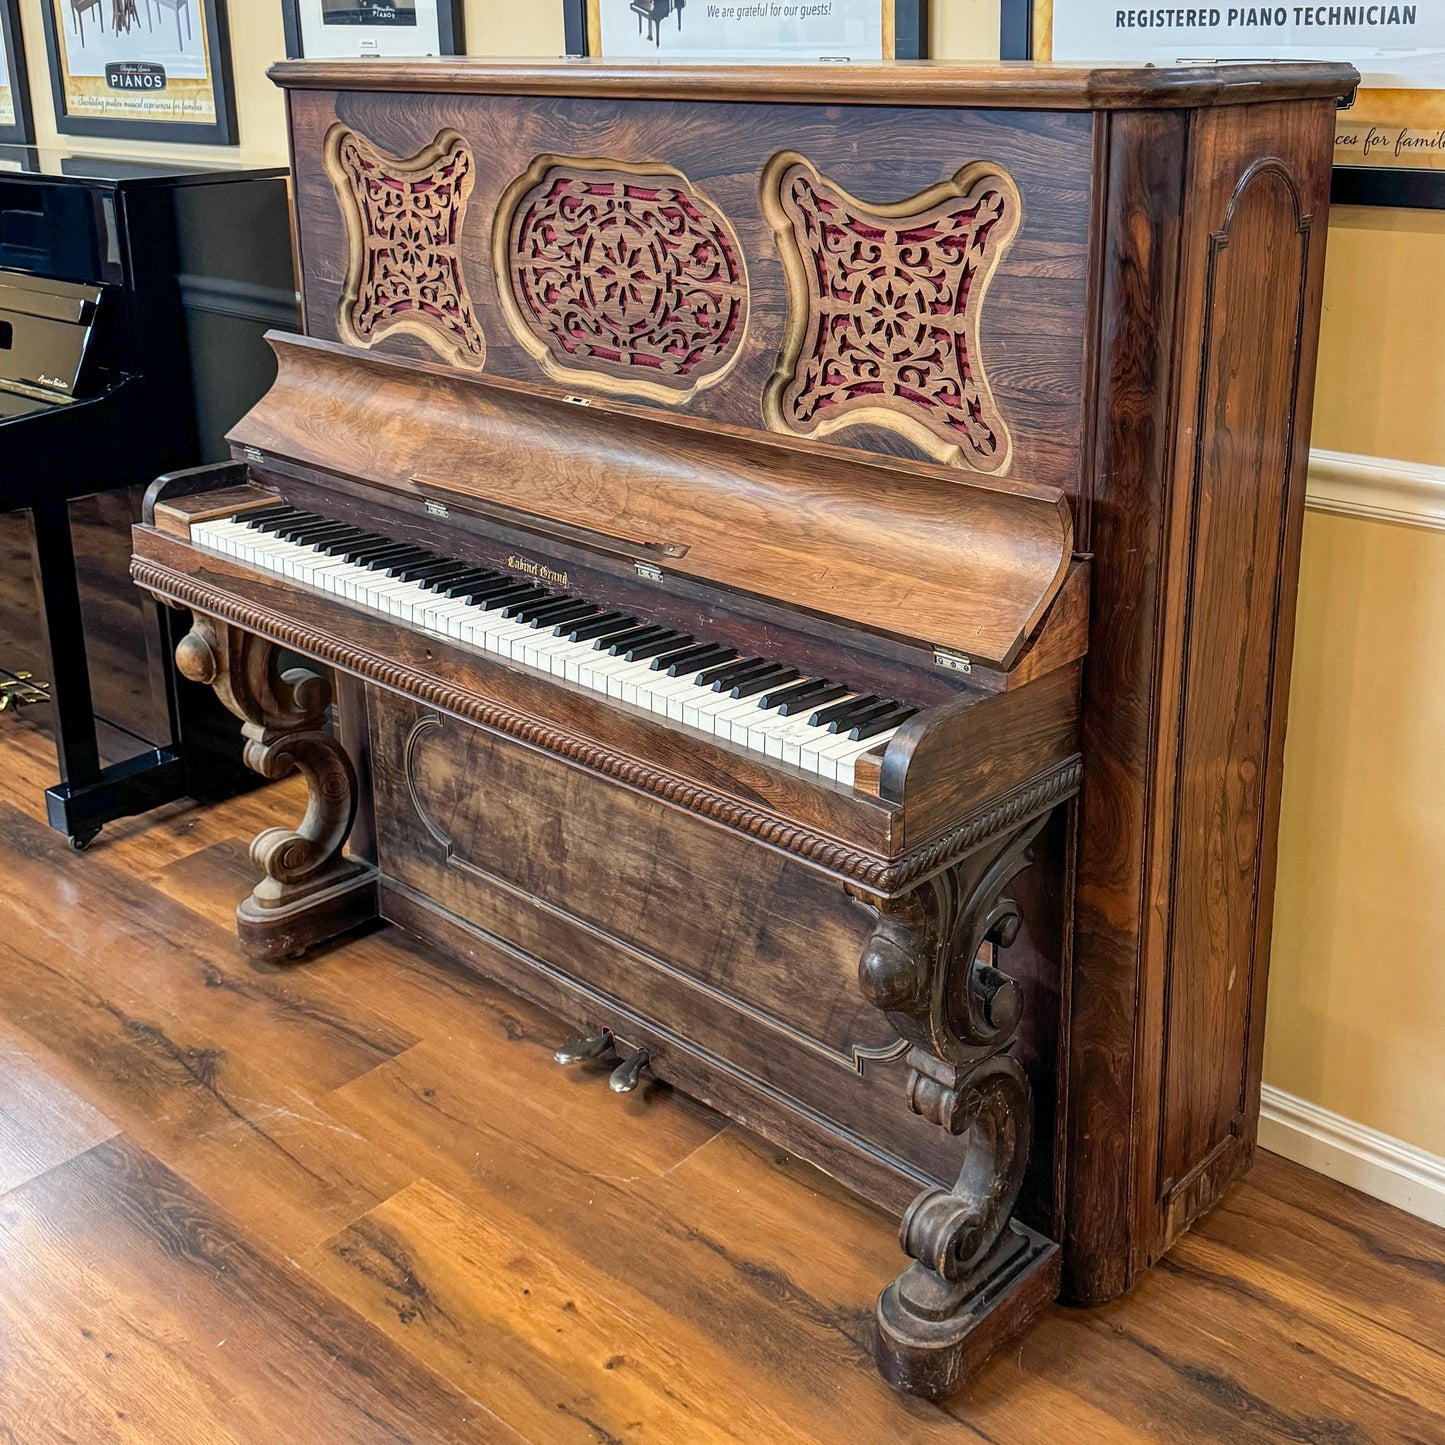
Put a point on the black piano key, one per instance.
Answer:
(317, 537)
(275, 524)
(880, 707)
(481, 594)
(403, 565)
(722, 678)
(300, 531)
(825, 717)
(251, 515)
(773, 677)
(384, 561)
(425, 571)
(787, 692)
(694, 659)
(436, 581)
(603, 626)
(469, 584)
(345, 546)
(618, 642)
(880, 724)
(545, 607)
(518, 593)
(513, 605)
(809, 701)
(728, 670)
(363, 556)
(557, 617)
(658, 647)
(592, 614)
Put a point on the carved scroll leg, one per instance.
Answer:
(310, 892)
(980, 1276)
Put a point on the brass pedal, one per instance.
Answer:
(628, 1074)
(18, 690)
(589, 1046)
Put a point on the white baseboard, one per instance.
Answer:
(1377, 487)
(1365, 1159)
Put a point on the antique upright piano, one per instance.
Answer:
(705, 488)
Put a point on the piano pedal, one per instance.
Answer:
(627, 1075)
(588, 1046)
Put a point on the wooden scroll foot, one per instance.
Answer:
(310, 892)
(979, 1276)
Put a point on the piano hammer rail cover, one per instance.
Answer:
(884, 548)
(894, 83)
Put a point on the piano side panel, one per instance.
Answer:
(1033, 314)
(736, 965)
(1251, 286)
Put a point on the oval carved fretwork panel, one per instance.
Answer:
(622, 278)
(883, 310)
(404, 219)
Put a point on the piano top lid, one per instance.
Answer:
(923, 553)
(1009, 84)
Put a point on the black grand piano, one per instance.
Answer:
(133, 299)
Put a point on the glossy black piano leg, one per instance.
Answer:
(87, 796)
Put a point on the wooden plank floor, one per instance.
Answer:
(355, 1201)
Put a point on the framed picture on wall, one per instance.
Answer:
(702, 30)
(142, 69)
(338, 29)
(15, 123)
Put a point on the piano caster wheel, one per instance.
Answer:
(79, 842)
(589, 1046)
(627, 1075)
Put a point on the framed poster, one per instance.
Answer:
(1389, 146)
(15, 122)
(343, 29)
(721, 30)
(142, 69)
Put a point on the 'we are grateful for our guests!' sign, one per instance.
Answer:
(802, 30)
(1399, 49)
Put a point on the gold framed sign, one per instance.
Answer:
(723, 30)
(141, 69)
(1389, 146)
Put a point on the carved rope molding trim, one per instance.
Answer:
(864, 870)
(1354, 485)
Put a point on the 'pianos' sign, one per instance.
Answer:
(135, 75)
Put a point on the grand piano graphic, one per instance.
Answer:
(652, 13)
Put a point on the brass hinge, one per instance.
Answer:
(19, 691)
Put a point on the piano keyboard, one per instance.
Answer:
(766, 707)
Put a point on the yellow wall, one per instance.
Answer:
(1357, 992)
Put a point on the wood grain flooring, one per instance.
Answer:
(356, 1201)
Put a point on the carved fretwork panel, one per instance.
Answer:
(624, 279)
(884, 306)
(404, 222)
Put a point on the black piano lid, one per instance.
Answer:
(51, 163)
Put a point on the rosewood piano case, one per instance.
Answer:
(931, 379)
